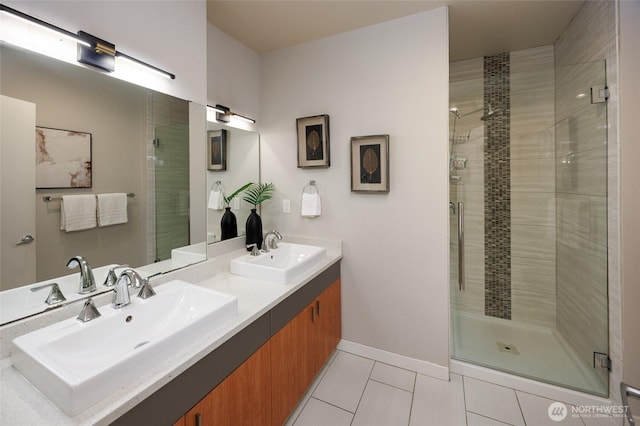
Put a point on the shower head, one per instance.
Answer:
(490, 113)
(455, 112)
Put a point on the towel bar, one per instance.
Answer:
(48, 198)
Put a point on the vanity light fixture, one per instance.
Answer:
(32, 20)
(224, 114)
(91, 50)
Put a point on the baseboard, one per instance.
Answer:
(401, 361)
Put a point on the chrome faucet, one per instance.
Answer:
(254, 249)
(111, 278)
(87, 281)
(127, 278)
(55, 295)
(270, 241)
(89, 311)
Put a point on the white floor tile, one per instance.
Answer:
(383, 405)
(536, 411)
(478, 420)
(344, 381)
(393, 376)
(318, 413)
(492, 401)
(438, 402)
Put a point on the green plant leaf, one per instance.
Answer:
(258, 192)
(235, 194)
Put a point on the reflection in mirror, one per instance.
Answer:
(242, 165)
(139, 144)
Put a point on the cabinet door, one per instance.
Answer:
(243, 398)
(328, 323)
(210, 410)
(248, 393)
(292, 362)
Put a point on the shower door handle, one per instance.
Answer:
(461, 245)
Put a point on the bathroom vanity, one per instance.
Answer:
(256, 366)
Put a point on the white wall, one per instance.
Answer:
(629, 193)
(390, 78)
(233, 74)
(167, 34)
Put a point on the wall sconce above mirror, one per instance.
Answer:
(223, 114)
(28, 32)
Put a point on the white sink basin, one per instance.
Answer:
(77, 364)
(281, 265)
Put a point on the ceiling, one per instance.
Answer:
(477, 27)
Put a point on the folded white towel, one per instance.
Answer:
(77, 212)
(311, 205)
(112, 209)
(216, 200)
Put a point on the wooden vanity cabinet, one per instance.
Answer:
(243, 398)
(300, 349)
(259, 375)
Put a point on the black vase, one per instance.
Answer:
(228, 224)
(254, 229)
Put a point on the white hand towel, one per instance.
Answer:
(112, 209)
(311, 205)
(77, 212)
(216, 200)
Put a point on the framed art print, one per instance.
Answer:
(313, 141)
(370, 163)
(63, 158)
(217, 150)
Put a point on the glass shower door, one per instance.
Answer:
(534, 300)
(171, 189)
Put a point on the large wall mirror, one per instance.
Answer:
(140, 143)
(234, 163)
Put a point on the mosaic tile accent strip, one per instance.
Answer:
(497, 186)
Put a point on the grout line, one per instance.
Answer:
(413, 396)
(333, 405)
(520, 407)
(391, 386)
(464, 399)
(487, 417)
(363, 391)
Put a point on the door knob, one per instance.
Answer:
(25, 240)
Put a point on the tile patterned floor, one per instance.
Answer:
(352, 390)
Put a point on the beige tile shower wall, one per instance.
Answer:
(587, 167)
(533, 187)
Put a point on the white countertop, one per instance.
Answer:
(22, 404)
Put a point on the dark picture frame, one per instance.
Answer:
(217, 150)
(313, 141)
(63, 158)
(370, 164)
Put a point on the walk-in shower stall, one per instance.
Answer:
(528, 192)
